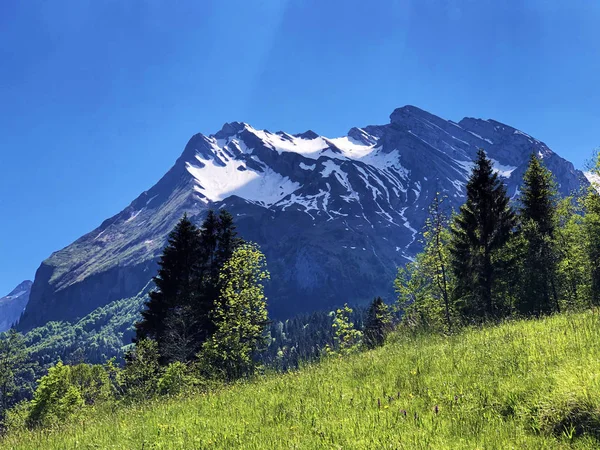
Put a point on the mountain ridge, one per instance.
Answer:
(13, 304)
(335, 216)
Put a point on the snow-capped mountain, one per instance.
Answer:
(334, 216)
(12, 305)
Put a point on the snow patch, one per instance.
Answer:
(216, 182)
(307, 167)
(502, 170)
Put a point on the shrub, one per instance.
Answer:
(175, 379)
(65, 390)
(139, 379)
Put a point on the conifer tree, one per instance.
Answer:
(377, 324)
(538, 293)
(218, 241)
(480, 230)
(240, 315)
(176, 287)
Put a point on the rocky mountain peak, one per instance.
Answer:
(12, 305)
(334, 216)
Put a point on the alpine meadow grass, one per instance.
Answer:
(531, 384)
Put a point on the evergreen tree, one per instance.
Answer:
(239, 315)
(218, 241)
(538, 293)
(377, 324)
(479, 232)
(176, 289)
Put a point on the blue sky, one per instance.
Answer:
(98, 98)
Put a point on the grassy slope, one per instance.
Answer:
(493, 388)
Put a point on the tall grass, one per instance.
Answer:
(522, 385)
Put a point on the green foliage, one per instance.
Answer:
(479, 233)
(166, 318)
(178, 313)
(528, 384)
(139, 379)
(425, 285)
(175, 380)
(65, 390)
(377, 324)
(16, 370)
(591, 227)
(347, 339)
(573, 263)
(96, 338)
(240, 315)
(538, 290)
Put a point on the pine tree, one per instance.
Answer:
(240, 315)
(538, 293)
(176, 287)
(480, 230)
(378, 323)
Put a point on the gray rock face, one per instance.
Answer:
(335, 217)
(12, 305)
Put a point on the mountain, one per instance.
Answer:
(335, 217)
(12, 305)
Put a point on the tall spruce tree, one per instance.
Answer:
(167, 315)
(218, 241)
(377, 324)
(479, 232)
(538, 294)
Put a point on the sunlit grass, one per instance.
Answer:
(529, 384)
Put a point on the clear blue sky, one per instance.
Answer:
(98, 98)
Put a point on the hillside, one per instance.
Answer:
(335, 217)
(526, 384)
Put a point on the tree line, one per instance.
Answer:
(492, 259)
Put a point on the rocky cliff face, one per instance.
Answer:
(335, 217)
(12, 305)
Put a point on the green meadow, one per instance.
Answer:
(524, 384)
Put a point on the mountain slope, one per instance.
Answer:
(12, 305)
(335, 217)
(529, 384)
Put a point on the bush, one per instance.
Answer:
(175, 379)
(139, 379)
(65, 390)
